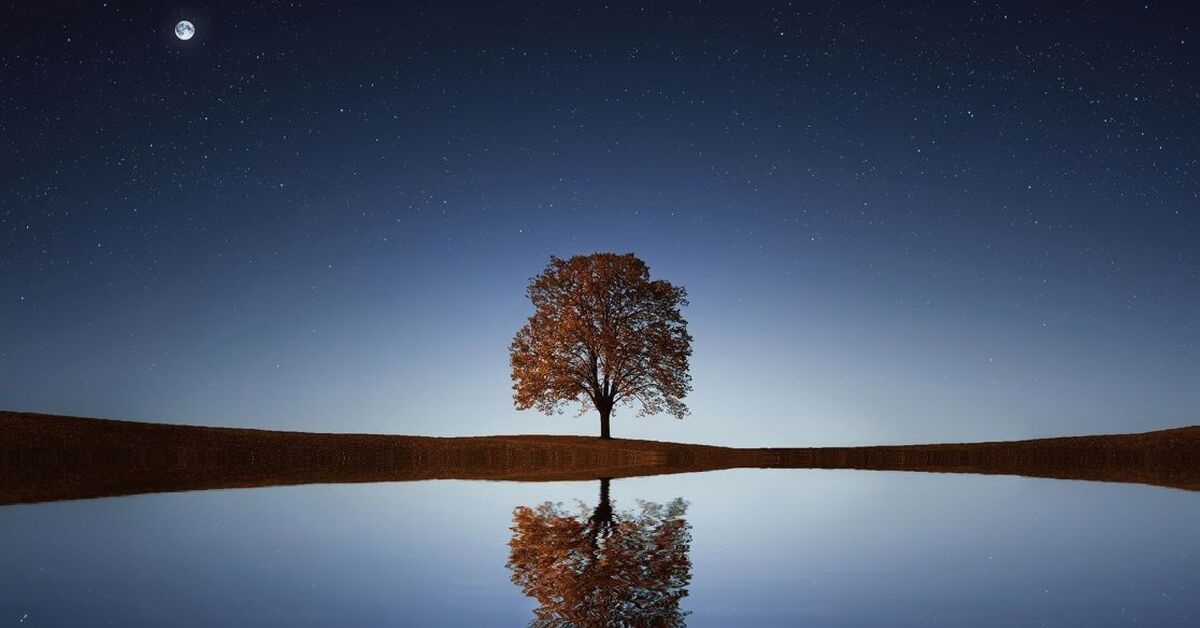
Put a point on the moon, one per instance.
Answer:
(185, 30)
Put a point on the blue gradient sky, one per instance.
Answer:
(895, 224)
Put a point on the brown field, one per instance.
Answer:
(50, 458)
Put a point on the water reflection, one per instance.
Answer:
(603, 567)
(768, 548)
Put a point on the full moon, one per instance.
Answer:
(184, 30)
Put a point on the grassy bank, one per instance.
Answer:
(48, 458)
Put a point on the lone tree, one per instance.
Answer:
(613, 568)
(601, 334)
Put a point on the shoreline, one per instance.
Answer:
(53, 458)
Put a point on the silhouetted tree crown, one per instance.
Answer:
(609, 569)
(602, 334)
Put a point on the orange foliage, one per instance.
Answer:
(602, 334)
(604, 570)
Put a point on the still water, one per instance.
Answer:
(743, 547)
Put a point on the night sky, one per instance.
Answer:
(896, 222)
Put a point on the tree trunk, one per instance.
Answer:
(605, 408)
(601, 523)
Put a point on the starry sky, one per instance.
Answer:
(896, 221)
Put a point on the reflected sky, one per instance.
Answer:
(829, 548)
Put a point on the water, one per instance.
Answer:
(747, 547)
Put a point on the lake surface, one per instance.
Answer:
(740, 547)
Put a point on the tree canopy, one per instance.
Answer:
(602, 334)
(607, 569)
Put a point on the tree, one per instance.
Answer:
(607, 569)
(602, 334)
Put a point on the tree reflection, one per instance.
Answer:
(604, 569)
